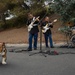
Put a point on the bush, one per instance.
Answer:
(11, 6)
(21, 20)
(9, 24)
(1, 25)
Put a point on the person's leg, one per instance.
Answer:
(50, 39)
(30, 41)
(46, 40)
(35, 40)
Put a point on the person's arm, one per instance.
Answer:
(36, 23)
(43, 24)
(50, 25)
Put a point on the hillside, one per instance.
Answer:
(20, 35)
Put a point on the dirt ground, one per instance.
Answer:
(20, 35)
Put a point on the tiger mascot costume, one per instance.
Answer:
(3, 52)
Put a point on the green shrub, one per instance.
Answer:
(10, 6)
(20, 20)
(1, 25)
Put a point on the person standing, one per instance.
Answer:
(46, 25)
(33, 30)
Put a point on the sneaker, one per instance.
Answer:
(29, 49)
(52, 46)
(47, 47)
(35, 48)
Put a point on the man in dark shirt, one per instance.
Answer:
(47, 34)
(33, 32)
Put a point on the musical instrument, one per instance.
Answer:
(45, 28)
(31, 24)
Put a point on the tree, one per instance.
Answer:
(21, 9)
(65, 8)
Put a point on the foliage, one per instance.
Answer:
(15, 6)
(65, 8)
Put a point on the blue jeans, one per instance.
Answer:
(48, 36)
(35, 40)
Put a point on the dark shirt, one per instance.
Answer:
(35, 29)
(49, 30)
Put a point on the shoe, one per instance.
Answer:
(29, 49)
(35, 48)
(52, 46)
(47, 46)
